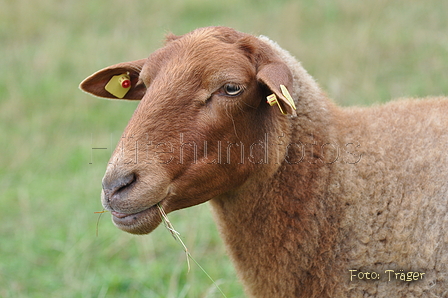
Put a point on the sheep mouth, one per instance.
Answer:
(126, 217)
(142, 222)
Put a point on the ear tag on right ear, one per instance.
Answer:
(272, 100)
(286, 94)
(119, 85)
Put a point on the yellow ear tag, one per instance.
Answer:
(272, 100)
(286, 94)
(119, 85)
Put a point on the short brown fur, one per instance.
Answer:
(299, 199)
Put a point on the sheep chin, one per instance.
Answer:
(143, 222)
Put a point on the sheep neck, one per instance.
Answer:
(269, 258)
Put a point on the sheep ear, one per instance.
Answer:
(278, 78)
(96, 83)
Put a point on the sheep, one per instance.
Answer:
(311, 199)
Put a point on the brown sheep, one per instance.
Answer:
(322, 202)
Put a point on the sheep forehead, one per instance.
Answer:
(203, 57)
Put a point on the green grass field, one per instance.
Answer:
(361, 52)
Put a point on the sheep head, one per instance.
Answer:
(200, 127)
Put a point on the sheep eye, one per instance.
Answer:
(233, 90)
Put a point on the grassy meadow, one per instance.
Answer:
(361, 53)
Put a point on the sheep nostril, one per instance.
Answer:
(118, 185)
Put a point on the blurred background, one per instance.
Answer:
(52, 244)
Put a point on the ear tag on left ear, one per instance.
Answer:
(119, 85)
(272, 100)
(286, 94)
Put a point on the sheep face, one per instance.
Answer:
(199, 130)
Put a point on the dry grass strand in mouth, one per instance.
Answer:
(174, 233)
(176, 236)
